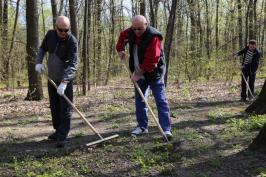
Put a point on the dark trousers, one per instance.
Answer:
(61, 111)
(250, 78)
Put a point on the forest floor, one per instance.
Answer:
(211, 135)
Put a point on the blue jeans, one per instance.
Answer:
(158, 91)
(61, 111)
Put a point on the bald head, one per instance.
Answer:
(139, 19)
(63, 21)
(62, 26)
(139, 24)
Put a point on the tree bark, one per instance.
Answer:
(142, 8)
(169, 37)
(239, 22)
(73, 17)
(217, 27)
(54, 11)
(259, 106)
(260, 141)
(111, 41)
(84, 49)
(5, 59)
(35, 91)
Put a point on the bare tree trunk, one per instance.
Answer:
(169, 37)
(73, 17)
(54, 11)
(61, 7)
(13, 37)
(35, 91)
(239, 22)
(217, 27)
(154, 4)
(111, 41)
(84, 49)
(263, 31)
(99, 40)
(88, 44)
(142, 7)
(43, 20)
(5, 59)
(1, 15)
(208, 31)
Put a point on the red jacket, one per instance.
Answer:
(152, 54)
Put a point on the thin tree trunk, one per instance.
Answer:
(111, 41)
(61, 7)
(35, 91)
(54, 11)
(169, 37)
(43, 20)
(239, 22)
(208, 31)
(154, 4)
(5, 60)
(73, 17)
(88, 43)
(142, 7)
(217, 27)
(84, 50)
(99, 40)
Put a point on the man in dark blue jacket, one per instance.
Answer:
(250, 63)
(62, 47)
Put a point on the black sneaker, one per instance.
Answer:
(61, 143)
(243, 100)
(52, 137)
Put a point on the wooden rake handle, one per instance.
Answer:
(145, 101)
(247, 84)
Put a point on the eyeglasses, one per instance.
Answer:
(63, 30)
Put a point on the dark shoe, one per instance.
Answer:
(61, 143)
(243, 100)
(52, 137)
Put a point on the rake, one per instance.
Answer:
(146, 103)
(101, 139)
(247, 84)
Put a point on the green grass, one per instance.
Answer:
(237, 127)
(218, 113)
(49, 166)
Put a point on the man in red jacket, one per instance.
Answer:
(147, 64)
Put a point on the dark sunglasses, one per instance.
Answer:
(63, 30)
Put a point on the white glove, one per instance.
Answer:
(39, 68)
(61, 88)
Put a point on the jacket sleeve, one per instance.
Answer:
(72, 56)
(122, 40)
(42, 50)
(241, 52)
(152, 55)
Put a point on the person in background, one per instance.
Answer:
(147, 64)
(249, 66)
(62, 47)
